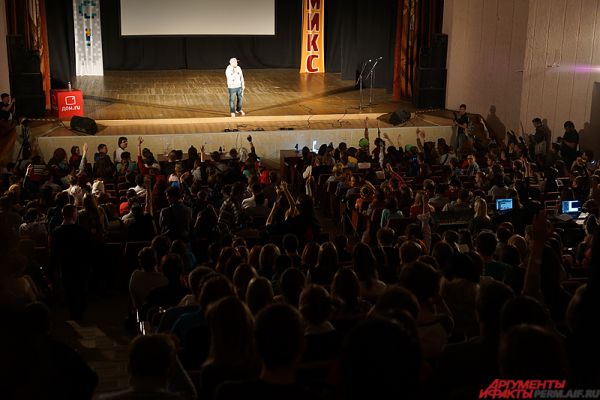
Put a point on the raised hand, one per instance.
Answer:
(540, 227)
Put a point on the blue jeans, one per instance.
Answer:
(233, 92)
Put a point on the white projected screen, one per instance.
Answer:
(197, 17)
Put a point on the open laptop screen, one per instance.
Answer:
(571, 207)
(504, 205)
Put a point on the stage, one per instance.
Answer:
(176, 109)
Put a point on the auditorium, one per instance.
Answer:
(396, 199)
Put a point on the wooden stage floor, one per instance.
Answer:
(187, 101)
(122, 95)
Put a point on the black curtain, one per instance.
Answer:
(368, 32)
(355, 31)
(61, 41)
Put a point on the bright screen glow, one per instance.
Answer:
(197, 17)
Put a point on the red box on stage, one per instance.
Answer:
(66, 103)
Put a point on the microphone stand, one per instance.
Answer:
(359, 81)
(371, 75)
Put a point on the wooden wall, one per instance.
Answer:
(565, 33)
(501, 52)
(486, 49)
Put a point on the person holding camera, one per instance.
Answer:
(7, 108)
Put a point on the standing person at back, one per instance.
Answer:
(72, 250)
(122, 145)
(461, 121)
(236, 86)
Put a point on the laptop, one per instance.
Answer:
(572, 208)
(504, 205)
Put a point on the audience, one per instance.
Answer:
(424, 291)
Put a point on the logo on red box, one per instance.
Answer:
(70, 100)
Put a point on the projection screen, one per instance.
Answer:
(197, 17)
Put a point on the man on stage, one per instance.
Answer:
(235, 85)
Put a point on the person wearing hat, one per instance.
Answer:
(363, 154)
(236, 86)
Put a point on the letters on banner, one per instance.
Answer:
(313, 37)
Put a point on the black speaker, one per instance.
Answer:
(435, 55)
(21, 59)
(429, 98)
(431, 78)
(425, 57)
(399, 117)
(84, 125)
(32, 106)
(26, 84)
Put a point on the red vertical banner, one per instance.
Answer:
(313, 37)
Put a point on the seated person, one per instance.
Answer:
(322, 339)
(152, 362)
(279, 335)
(147, 278)
(169, 294)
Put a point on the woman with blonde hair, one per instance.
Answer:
(232, 353)
(417, 208)
(481, 220)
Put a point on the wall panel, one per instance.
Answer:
(530, 58)
(485, 55)
(563, 91)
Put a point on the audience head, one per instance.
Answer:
(231, 330)
(147, 259)
(532, 352)
(291, 284)
(259, 294)
(310, 254)
(486, 244)
(69, 214)
(173, 194)
(196, 280)
(364, 263)
(214, 288)
(491, 298)
(380, 359)
(442, 252)
(410, 251)
(385, 237)
(524, 310)
(242, 276)
(172, 267)
(328, 256)
(290, 243)
(346, 288)
(151, 360)
(422, 280)
(268, 257)
(161, 245)
(394, 300)
(315, 305)
(279, 334)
